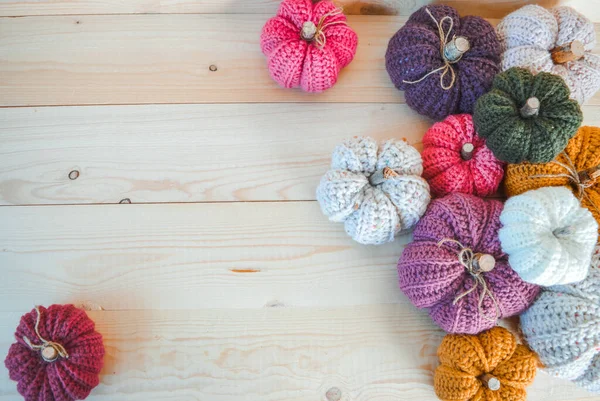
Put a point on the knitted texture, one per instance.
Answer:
(529, 34)
(416, 50)
(514, 137)
(548, 236)
(66, 378)
(311, 64)
(446, 166)
(376, 192)
(467, 361)
(431, 274)
(567, 170)
(563, 328)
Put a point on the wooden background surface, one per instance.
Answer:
(191, 232)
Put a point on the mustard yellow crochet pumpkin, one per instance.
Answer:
(490, 366)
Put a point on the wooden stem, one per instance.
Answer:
(454, 49)
(49, 353)
(490, 382)
(484, 262)
(531, 107)
(380, 176)
(466, 152)
(570, 52)
(563, 231)
(589, 175)
(309, 30)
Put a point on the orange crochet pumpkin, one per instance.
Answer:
(577, 167)
(484, 367)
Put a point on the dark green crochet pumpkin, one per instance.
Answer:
(526, 117)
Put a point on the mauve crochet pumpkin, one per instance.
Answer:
(423, 64)
(455, 159)
(490, 366)
(307, 44)
(559, 41)
(57, 358)
(462, 299)
(577, 168)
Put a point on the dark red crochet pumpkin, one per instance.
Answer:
(58, 354)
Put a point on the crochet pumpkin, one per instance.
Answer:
(548, 236)
(559, 41)
(307, 44)
(455, 159)
(376, 191)
(58, 354)
(526, 117)
(563, 328)
(577, 168)
(490, 366)
(443, 62)
(456, 268)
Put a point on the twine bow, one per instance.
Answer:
(575, 177)
(447, 67)
(467, 258)
(45, 343)
(315, 33)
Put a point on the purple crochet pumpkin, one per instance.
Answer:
(455, 266)
(443, 72)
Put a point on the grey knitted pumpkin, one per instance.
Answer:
(376, 191)
(563, 328)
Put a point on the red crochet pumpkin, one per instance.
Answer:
(307, 44)
(58, 354)
(455, 159)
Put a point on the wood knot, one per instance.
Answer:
(333, 394)
(73, 175)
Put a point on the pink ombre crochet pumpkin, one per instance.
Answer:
(307, 44)
(455, 159)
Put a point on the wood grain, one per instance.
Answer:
(186, 153)
(485, 8)
(368, 353)
(189, 256)
(142, 59)
(183, 153)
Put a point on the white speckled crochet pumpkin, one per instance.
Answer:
(548, 236)
(563, 328)
(530, 34)
(376, 191)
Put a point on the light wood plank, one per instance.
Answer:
(186, 153)
(485, 8)
(183, 153)
(379, 352)
(141, 59)
(189, 256)
(369, 353)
